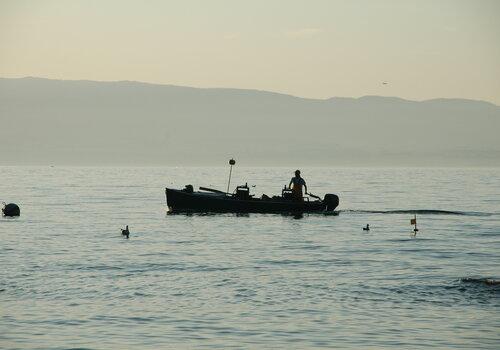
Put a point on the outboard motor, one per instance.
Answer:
(331, 200)
(11, 209)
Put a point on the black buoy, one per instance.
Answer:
(125, 232)
(367, 228)
(11, 209)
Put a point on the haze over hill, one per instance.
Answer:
(86, 122)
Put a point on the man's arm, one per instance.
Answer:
(305, 186)
(290, 184)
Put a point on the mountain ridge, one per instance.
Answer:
(88, 122)
(139, 83)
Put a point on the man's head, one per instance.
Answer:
(297, 173)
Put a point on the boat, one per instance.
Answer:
(241, 201)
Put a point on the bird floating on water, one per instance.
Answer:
(367, 228)
(125, 232)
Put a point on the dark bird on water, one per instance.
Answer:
(367, 228)
(125, 232)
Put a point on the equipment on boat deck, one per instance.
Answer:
(241, 201)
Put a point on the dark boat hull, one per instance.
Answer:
(181, 201)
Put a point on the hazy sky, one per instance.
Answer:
(423, 49)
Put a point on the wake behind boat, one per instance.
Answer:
(241, 201)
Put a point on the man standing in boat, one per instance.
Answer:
(298, 183)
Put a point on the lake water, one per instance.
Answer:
(70, 280)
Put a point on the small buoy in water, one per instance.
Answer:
(125, 232)
(367, 228)
(11, 209)
(414, 222)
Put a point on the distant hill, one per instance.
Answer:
(46, 121)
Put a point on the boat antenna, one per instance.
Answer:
(231, 163)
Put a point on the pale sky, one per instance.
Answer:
(424, 49)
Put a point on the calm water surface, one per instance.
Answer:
(69, 280)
